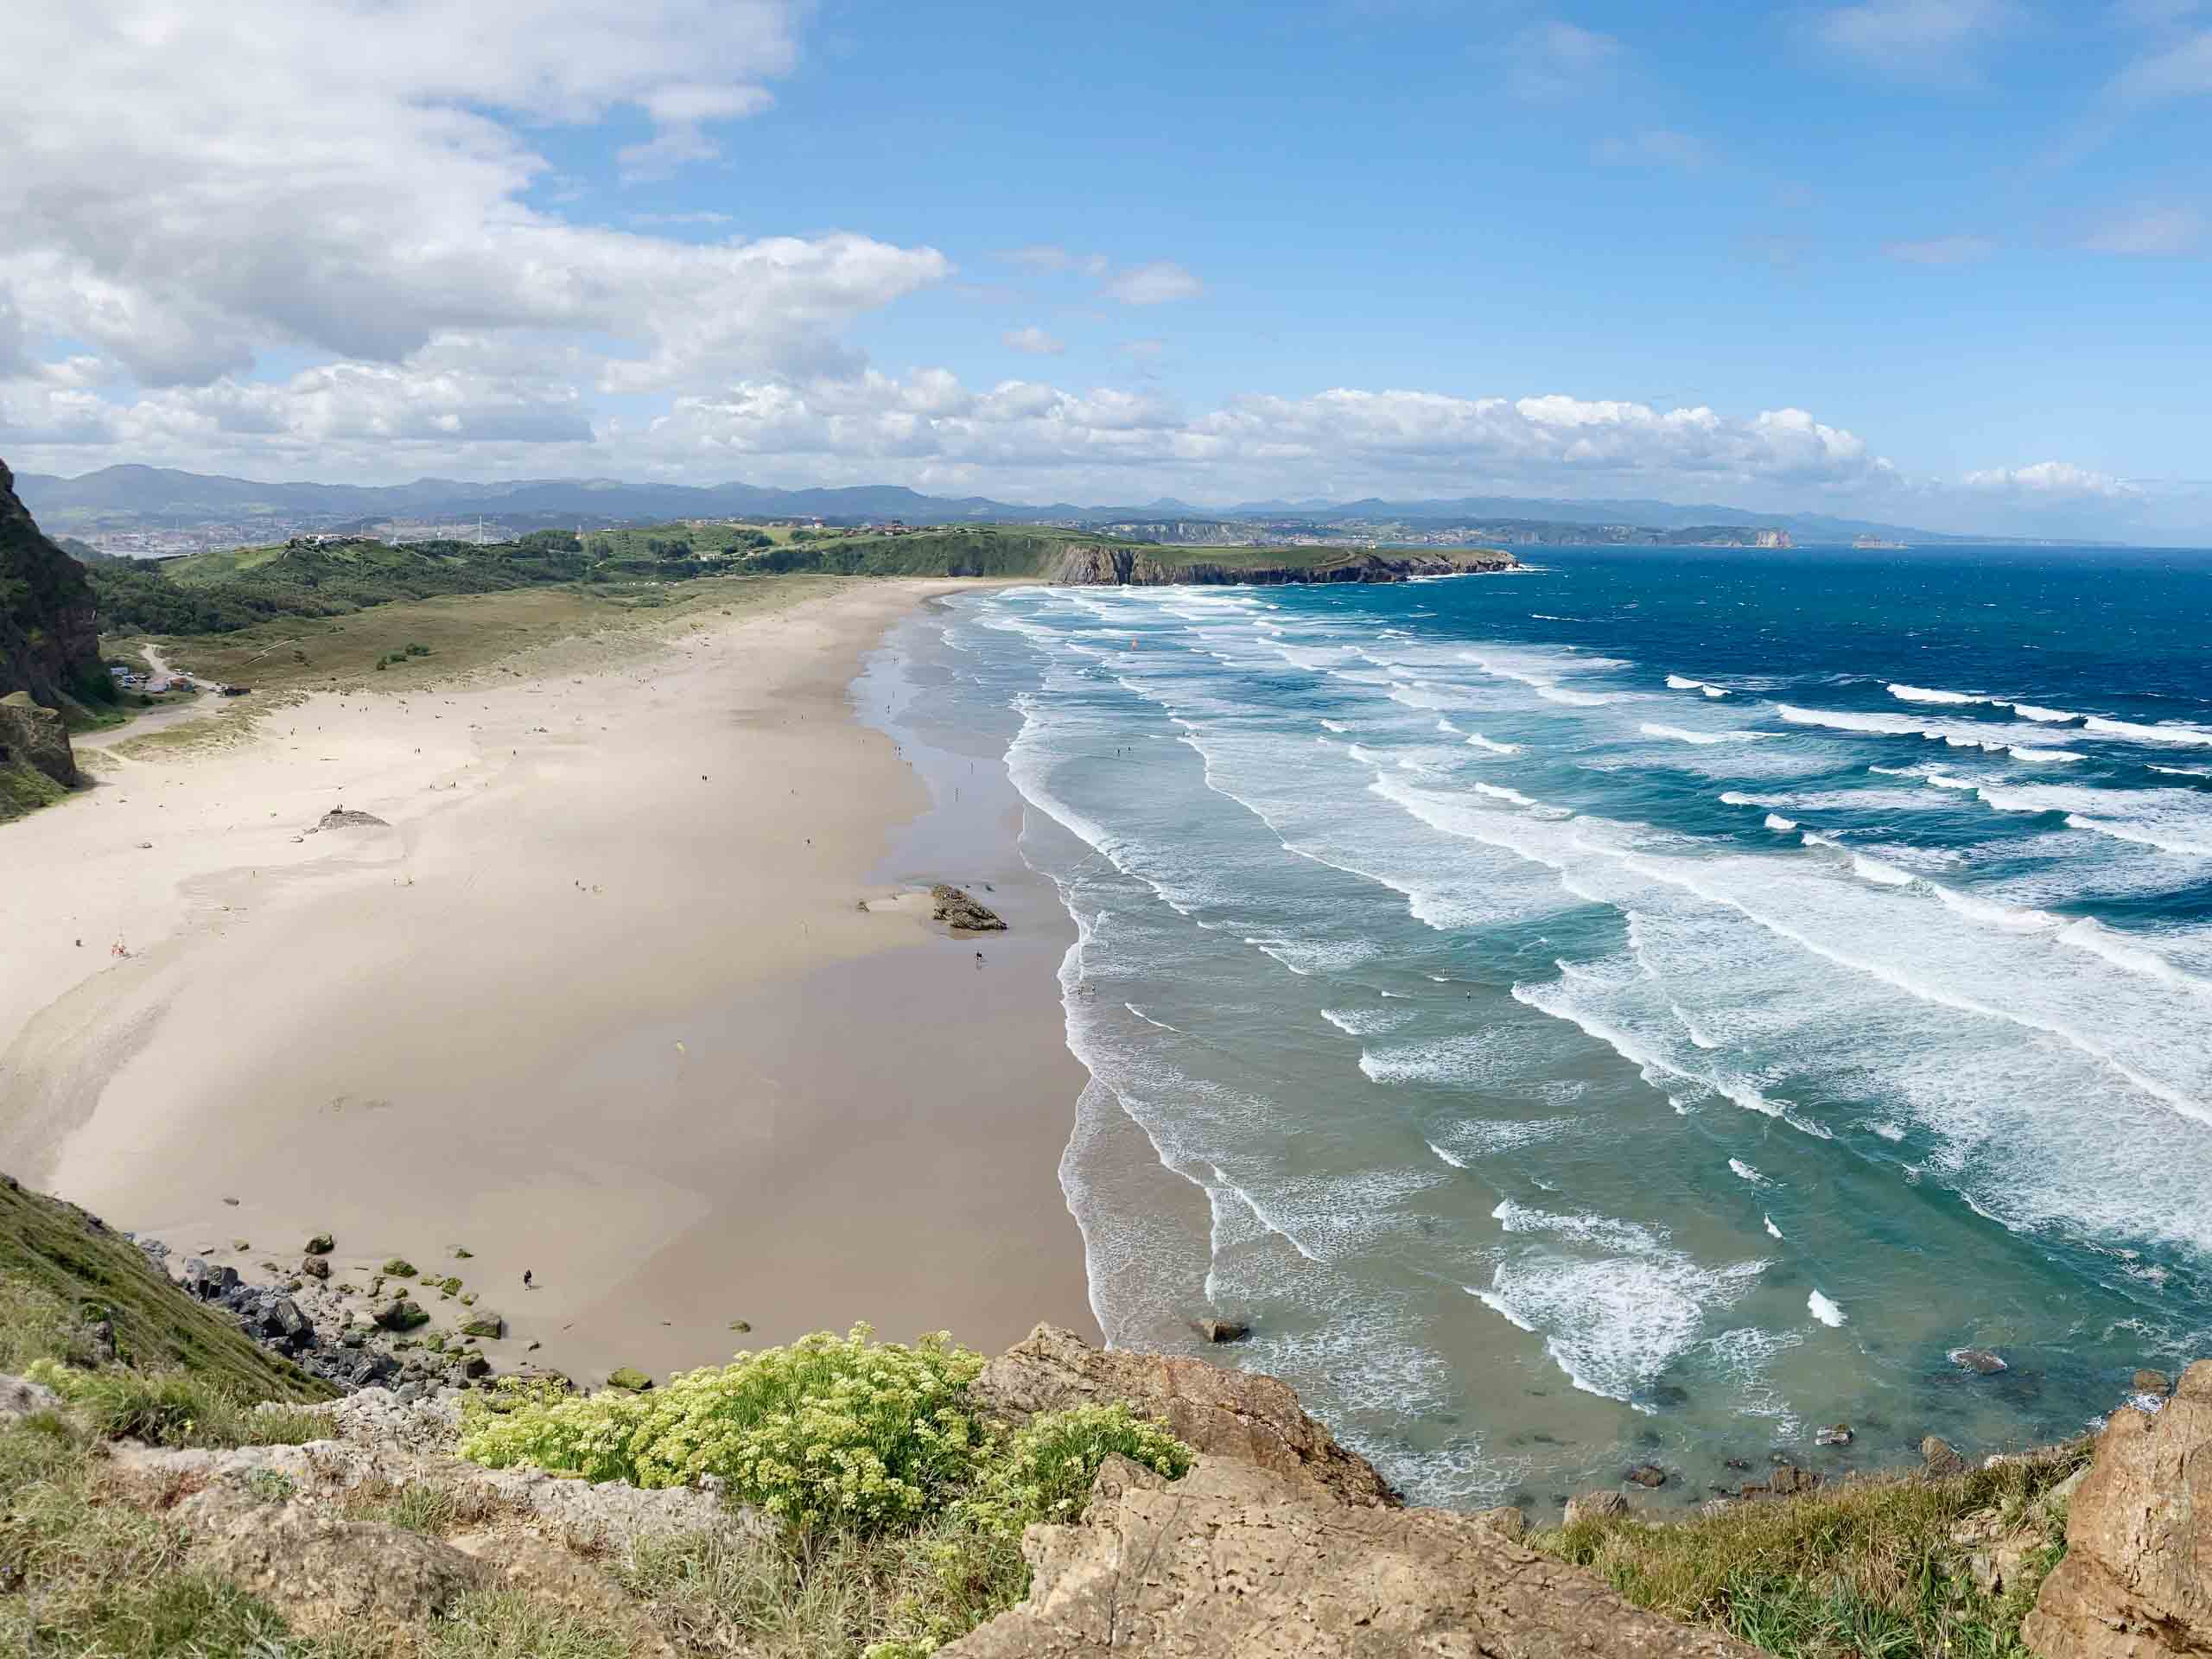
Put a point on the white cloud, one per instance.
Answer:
(2050, 481)
(2150, 231)
(1912, 38)
(1152, 284)
(324, 175)
(1555, 58)
(1940, 250)
(1034, 341)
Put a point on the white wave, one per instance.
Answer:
(1887, 876)
(1888, 1131)
(1499, 792)
(1523, 671)
(1677, 683)
(1776, 822)
(1944, 780)
(2134, 731)
(1736, 797)
(1456, 1163)
(1335, 726)
(2183, 772)
(2013, 918)
(1602, 1231)
(1306, 957)
(1922, 694)
(1148, 1019)
(1366, 1022)
(1714, 691)
(2043, 757)
(1824, 1310)
(1744, 1172)
(1813, 839)
(1486, 1137)
(1772, 1230)
(1651, 728)
(2047, 716)
(2176, 820)
(1477, 741)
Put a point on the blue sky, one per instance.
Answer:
(1939, 262)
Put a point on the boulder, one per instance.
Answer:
(1228, 1414)
(962, 913)
(326, 1575)
(36, 736)
(1833, 1434)
(400, 1315)
(1221, 1330)
(21, 1398)
(1648, 1474)
(1506, 1521)
(1939, 1460)
(321, 1244)
(315, 1267)
(484, 1322)
(1978, 1360)
(2154, 1383)
(1595, 1506)
(338, 818)
(630, 1378)
(1237, 1561)
(2137, 1580)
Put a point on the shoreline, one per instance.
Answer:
(584, 1008)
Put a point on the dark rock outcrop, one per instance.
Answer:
(1100, 565)
(35, 736)
(1235, 1561)
(2137, 1580)
(1234, 1414)
(49, 636)
(962, 913)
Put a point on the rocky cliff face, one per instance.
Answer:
(2137, 1580)
(1097, 565)
(49, 642)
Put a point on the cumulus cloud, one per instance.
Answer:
(1385, 438)
(1940, 250)
(2050, 481)
(194, 186)
(1034, 341)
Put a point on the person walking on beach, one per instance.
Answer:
(525, 1278)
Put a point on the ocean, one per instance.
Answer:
(1644, 1009)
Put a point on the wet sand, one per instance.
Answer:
(601, 1003)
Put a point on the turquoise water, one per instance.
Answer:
(1649, 1007)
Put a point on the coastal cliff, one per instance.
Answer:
(1121, 566)
(49, 655)
(1056, 1500)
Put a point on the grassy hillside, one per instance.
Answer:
(965, 551)
(61, 1268)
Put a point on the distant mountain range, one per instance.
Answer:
(118, 499)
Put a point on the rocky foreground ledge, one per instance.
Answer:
(1279, 1542)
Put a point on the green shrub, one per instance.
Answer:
(1045, 1472)
(827, 1430)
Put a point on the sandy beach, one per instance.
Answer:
(599, 1001)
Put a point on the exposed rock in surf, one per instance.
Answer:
(1221, 1330)
(1978, 1360)
(2155, 1383)
(1648, 1474)
(962, 913)
(1833, 1434)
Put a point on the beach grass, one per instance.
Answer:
(1872, 1566)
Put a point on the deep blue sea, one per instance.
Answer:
(1649, 1007)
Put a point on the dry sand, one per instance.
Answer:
(601, 1003)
